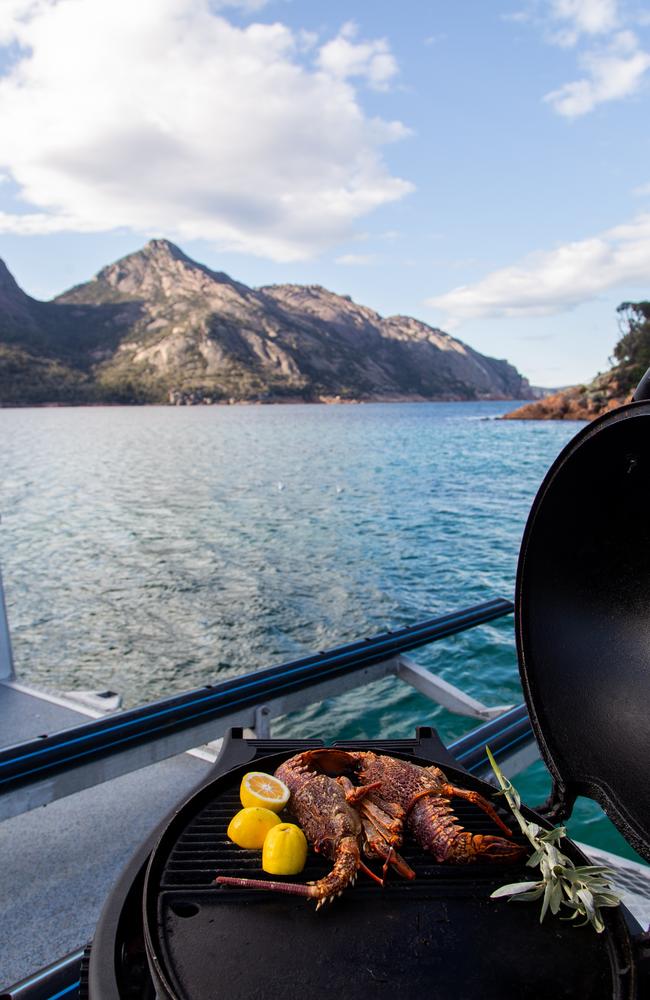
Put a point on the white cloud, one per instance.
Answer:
(40, 223)
(609, 54)
(642, 190)
(356, 259)
(245, 5)
(343, 57)
(15, 15)
(612, 73)
(163, 117)
(578, 17)
(547, 283)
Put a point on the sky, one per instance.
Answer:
(482, 166)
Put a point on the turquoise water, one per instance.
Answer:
(155, 549)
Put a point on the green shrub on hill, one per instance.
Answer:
(632, 352)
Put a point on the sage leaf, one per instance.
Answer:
(513, 889)
(588, 900)
(547, 899)
(525, 897)
(556, 897)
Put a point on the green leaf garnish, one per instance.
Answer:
(584, 889)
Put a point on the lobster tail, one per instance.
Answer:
(468, 848)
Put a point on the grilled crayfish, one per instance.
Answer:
(347, 802)
(424, 795)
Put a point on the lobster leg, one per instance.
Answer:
(355, 793)
(451, 791)
(381, 831)
(391, 826)
(346, 864)
(377, 845)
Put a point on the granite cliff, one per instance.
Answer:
(158, 327)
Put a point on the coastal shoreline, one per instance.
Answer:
(321, 401)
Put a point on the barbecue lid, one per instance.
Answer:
(583, 618)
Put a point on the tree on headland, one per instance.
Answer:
(632, 352)
(630, 361)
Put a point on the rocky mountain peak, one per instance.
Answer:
(162, 250)
(158, 272)
(157, 327)
(158, 257)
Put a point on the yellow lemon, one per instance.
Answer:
(285, 850)
(259, 789)
(249, 827)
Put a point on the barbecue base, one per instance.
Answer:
(451, 947)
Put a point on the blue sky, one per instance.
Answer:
(482, 166)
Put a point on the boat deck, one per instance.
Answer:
(23, 716)
(60, 861)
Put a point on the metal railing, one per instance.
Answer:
(42, 770)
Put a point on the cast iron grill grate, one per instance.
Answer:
(203, 850)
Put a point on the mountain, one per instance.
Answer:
(158, 327)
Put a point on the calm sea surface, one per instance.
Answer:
(155, 549)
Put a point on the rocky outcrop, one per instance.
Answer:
(578, 402)
(158, 327)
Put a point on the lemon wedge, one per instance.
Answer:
(249, 827)
(265, 790)
(285, 850)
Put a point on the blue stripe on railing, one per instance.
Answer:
(495, 733)
(28, 983)
(494, 736)
(60, 979)
(68, 989)
(527, 737)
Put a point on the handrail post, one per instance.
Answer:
(6, 658)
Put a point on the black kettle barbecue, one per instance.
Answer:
(583, 639)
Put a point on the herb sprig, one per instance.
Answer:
(584, 890)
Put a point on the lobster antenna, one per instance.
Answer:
(294, 888)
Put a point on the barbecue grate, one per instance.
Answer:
(203, 851)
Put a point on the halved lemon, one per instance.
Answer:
(249, 827)
(259, 789)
